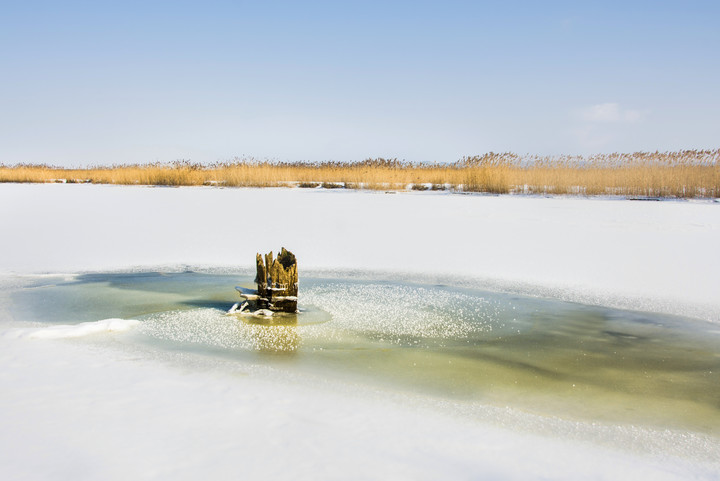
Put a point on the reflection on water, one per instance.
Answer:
(541, 355)
(275, 334)
(275, 338)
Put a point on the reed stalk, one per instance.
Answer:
(685, 174)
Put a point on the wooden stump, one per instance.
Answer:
(277, 281)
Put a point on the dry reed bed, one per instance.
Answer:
(691, 173)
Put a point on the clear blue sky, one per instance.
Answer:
(95, 82)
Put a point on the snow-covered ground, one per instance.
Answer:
(85, 410)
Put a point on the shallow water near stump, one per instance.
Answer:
(540, 355)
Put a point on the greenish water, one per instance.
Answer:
(543, 356)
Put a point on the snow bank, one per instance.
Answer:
(647, 255)
(76, 330)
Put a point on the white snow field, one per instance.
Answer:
(80, 402)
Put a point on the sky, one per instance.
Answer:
(95, 83)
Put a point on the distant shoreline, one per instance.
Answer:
(409, 189)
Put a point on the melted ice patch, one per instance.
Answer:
(77, 330)
(395, 311)
(213, 328)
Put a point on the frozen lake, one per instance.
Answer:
(443, 336)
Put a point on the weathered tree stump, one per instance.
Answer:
(277, 281)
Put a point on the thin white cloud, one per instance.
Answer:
(591, 138)
(611, 113)
(601, 126)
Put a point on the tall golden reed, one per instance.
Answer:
(688, 173)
